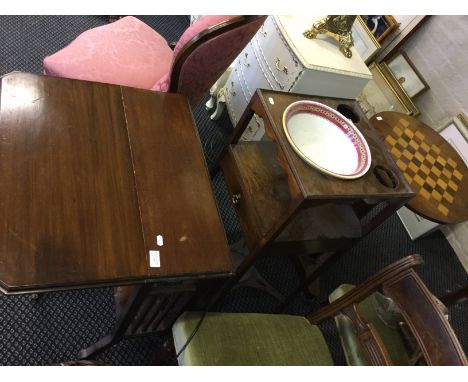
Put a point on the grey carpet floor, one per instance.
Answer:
(56, 326)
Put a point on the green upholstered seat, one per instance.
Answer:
(391, 335)
(250, 339)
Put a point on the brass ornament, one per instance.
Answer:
(337, 27)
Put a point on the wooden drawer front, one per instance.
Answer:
(241, 201)
(236, 96)
(278, 60)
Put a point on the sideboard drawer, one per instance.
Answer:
(274, 54)
(252, 78)
(244, 80)
(253, 74)
(235, 95)
(254, 131)
(280, 58)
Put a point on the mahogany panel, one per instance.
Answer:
(174, 189)
(90, 174)
(68, 203)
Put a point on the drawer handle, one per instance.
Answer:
(262, 31)
(232, 88)
(235, 199)
(246, 63)
(283, 69)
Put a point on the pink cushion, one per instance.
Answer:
(126, 52)
(197, 27)
(163, 83)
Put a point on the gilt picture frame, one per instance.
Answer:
(398, 89)
(364, 41)
(380, 95)
(381, 26)
(407, 74)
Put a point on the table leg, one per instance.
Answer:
(251, 278)
(124, 320)
(219, 293)
(312, 271)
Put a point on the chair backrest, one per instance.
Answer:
(434, 339)
(201, 60)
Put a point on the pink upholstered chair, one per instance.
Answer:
(128, 52)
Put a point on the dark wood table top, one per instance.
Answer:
(90, 175)
(432, 167)
(316, 185)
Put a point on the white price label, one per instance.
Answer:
(154, 259)
(159, 240)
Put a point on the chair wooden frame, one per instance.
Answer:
(437, 342)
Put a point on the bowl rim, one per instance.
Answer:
(311, 162)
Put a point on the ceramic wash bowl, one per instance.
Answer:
(326, 140)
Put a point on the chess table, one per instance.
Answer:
(432, 167)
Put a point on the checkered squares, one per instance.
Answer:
(431, 175)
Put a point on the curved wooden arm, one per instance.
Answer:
(366, 288)
(438, 343)
(436, 340)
